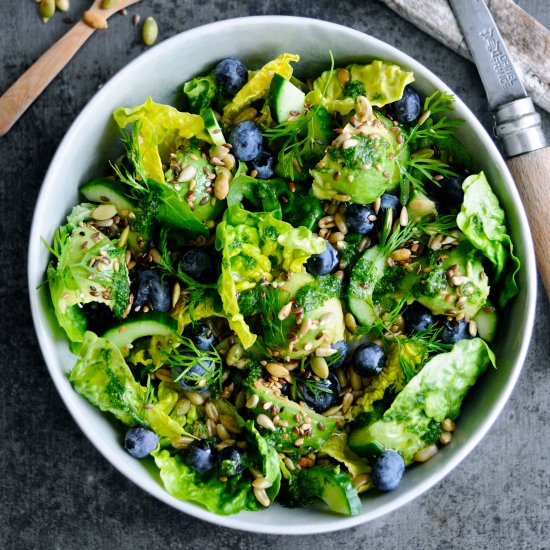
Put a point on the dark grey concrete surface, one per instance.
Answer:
(56, 491)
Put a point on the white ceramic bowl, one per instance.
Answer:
(158, 72)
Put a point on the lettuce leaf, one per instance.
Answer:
(383, 83)
(435, 393)
(201, 91)
(336, 447)
(483, 223)
(222, 498)
(258, 84)
(256, 246)
(159, 125)
(102, 376)
(75, 279)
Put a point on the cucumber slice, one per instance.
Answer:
(487, 321)
(363, 445)
(146, 324)
(368, 270)
(106, 191)
(285, 98)
(332, 486)
(212, 126)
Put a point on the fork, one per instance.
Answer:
(17, 99)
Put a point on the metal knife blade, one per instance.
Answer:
(500, 80)
(517, 124)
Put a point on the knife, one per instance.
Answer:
(517, 124)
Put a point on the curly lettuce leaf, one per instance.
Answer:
(336, 447)
(435, 393)
(82, 275)
(201, 91)
(258, 84)
(382, 83)
(255, 246)
(102, 376)
(224, 498)
(483, 223)
(159, 125)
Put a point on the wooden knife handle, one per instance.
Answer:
(531, 172)
(32, 83)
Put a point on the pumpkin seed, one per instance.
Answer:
(108, 4)
(150, 31)
(104, 212)
(46, 9)
(62, 5)
(319, 367)
(94, 19)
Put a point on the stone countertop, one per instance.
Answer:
(57, 491)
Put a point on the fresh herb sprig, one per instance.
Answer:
(421, 167)
(186, 356)
(197, 291)
(297, 137)
(428, 342)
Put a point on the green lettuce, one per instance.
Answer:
(89, 268)
(256, 247)
(224, 498)
(159, 125)
(413, 420)
(483, 223)
(201, 92)
(382, 83)
(102, 376)
(259, 82)
(298, 207)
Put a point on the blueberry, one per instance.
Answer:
(341, 357)
(151, 289)
(140, 442)
(406, 109)
(454, 331)
(387, 470)
(189, 377)
(230, 75)
(264, 165)
(99, 317)
(199, 264)
(417, 318)
(202, 334)
(387, 202)
(450, 192)
(230, 461)
(200, 457)
(368, 360)
(323, 263)
(246, 140)
(357, 218)
(320, 395)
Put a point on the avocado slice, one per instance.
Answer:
(322, 312)
(331, 486)
(468, 290)
(296, 422)
(364, 165)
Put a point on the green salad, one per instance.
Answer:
(284, 289)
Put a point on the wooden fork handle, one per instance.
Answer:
(32, 83)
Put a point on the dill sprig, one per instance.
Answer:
(421, 167)
(274, 332)
(137, 181)
(429, 343)
(298, 136)
(209, 360)
(197, 291)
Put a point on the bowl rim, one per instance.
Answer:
(242, 521)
